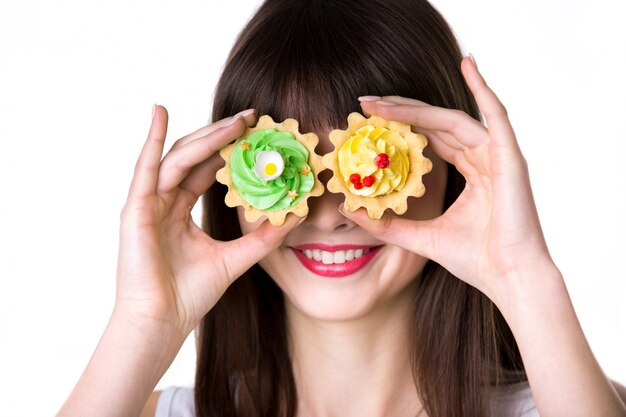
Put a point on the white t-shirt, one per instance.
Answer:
(513, 400)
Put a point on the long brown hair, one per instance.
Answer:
(310, 60)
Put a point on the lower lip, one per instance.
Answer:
(336, 270)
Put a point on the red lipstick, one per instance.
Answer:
(332, 270)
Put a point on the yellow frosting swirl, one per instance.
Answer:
(357, 154)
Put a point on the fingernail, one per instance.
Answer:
(385, 103)
(369, 98)
(244, 113)
(153, 110)
(232, 121)
(471, 57)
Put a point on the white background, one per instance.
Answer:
(77, 83)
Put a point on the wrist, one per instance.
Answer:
(148, 330)
(130, 359)
(157, 313)
(540, 284)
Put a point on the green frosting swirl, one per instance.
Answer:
(273, 194)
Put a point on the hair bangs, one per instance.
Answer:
(315, 67)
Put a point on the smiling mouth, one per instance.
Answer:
(335, 262)
(337, 257)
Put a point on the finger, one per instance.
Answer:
(444, 137)
(445, 144)
(441, 147)
(254, 246)
(404, 100)
(183, 203)
(369, 103)
(413, 235)
(495, 113)
(470, 165)
(202, 176)
(179, 162)
(147, 166)
(365, 102)
(467, 131)
(248, 117)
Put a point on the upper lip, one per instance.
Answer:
(331, 248)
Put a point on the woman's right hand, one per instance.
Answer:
(170, 272)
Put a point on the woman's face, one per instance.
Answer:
(336, 288)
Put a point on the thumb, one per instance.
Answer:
(254, 246)
(413, 235)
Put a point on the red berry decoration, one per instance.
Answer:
(358, 185)
(382, 160)
(355, 179)
(368, 181)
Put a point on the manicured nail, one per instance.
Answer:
(232, 121)
(244, 113)
(385, 103)
(369, 98)
(473, 60)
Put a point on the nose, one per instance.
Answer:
(324, 212)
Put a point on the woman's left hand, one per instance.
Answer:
(492, 232)
(491, 238)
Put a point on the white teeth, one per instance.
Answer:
(327, 257)
(339, 257)
(336, 257)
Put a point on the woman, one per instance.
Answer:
(460, 305)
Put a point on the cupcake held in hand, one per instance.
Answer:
(272, 171)
(377, 164)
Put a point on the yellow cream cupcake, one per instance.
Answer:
(377, 164)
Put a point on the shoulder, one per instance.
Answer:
(507, 400)
(517, 400)
(171, 402)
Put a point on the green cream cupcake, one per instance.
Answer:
(272, 170)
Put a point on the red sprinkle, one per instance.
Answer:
(382, 160)
(368, 181)
(355, 178)
(358, 185)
